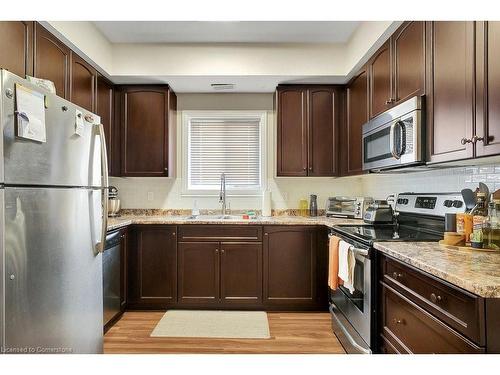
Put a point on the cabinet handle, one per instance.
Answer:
(389, 101)
(305, 169)
(476, 138)
(266, 234)
(436, 298)
(396, 275)
(173, 233)
(216, 251)
(310, 168)
(464, 141)
(222, 251)
(398, 321)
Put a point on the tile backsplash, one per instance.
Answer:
(380, 186)
(163, 193)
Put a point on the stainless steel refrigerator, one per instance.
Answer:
(52, 228)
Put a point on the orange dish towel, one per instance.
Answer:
(333, 263)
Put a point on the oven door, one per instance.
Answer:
(352, 312)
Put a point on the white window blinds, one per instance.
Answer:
(229, 145)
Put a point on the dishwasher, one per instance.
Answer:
(111, 275)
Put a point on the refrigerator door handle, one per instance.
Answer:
(105, 184)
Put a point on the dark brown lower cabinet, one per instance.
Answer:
(198, 273)
(419, 313)
(241, 273)
(290, 265)
(411, 329)
(224, 267)
(152, 280)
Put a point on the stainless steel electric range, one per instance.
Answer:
(418, 217)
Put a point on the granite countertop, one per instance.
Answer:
(123, 221)
(475, 271)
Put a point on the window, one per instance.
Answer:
(224, 142)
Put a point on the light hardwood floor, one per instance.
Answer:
(290, 333)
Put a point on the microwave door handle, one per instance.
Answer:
(391, 137)
(397, 153)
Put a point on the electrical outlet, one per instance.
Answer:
(151, 196)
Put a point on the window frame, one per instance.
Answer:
(188, 116)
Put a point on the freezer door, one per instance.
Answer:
(53, 276)
(65, 159)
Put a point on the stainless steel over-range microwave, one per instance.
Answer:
(395, 138)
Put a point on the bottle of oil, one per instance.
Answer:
(479, 213)
(491, 227)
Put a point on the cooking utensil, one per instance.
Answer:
(483, 188)
(469, 199)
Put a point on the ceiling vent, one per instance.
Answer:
(222, 86)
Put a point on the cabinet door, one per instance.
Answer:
(199, 273)
(105, 109)
(322, 160)
(144, 131)
(357, 115)
(380, 81)
(289, 265)
(83, 81)
(52, 60)
(451, 94)
(409, 60)
(153, 276)
(292, 132)
(241, 272)
(488, 88)
(16, 44)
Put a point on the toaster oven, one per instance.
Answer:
(349, 207)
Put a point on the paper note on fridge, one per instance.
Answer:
(30, 110)
(79, 123)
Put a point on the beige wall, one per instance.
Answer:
(285, 192)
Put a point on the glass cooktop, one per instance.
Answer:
(370, 233)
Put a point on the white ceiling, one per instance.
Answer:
(245, 84)
(227, 32)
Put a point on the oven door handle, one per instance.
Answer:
(356, 250)
(362, 252)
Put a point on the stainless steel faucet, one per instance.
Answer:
(222, 193)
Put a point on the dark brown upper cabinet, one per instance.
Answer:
(307, 130)
(397, 71)
(83, 83)
(52, 60)
(356, 116)
(408, 45)
(105, 109)
(380, 80)
(16, 44)
(450, 99)
(487, 132)
(147, 114)
(153, 266)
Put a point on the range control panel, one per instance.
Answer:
(435, 204)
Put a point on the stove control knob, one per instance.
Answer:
(405, 201)
(457, 204)
(448, 203)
